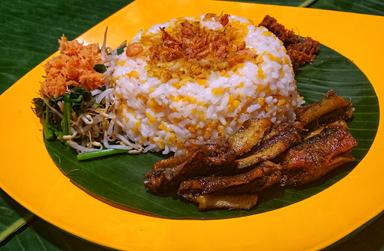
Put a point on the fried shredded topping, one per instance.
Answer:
(300, 50)
(189, 49)
(73, 67)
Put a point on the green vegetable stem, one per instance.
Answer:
(99, 153)
(66, 121)
(47, 129)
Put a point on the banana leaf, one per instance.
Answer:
(42, 236)
(373, 7)
(12, 216)
(118, 180)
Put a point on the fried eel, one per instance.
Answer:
(278, 142)
(231, 174)
(318, 155)
(331, 107)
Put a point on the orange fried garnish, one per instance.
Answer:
(197, 50)
(73, 67)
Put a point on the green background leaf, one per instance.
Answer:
(28, 34)
(373, 7)
(12, 216)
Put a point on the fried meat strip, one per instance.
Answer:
(330, 103)
(203, 160)
(318, 155)
(249, 136)
(212, 176)
(286, 36)
(168, 173)
(300, 50)
(257, 179)
(170, 162)
(223, 201)
(303, 52)
(277, 143)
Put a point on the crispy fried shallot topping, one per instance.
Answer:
(189, 49)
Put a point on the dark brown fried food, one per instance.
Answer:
(303, 52)
(330, 103)
(274, 146)
(220, 154)
(317, 131)
(170, 162)
(223, 201)
(257, 179)
(168, 174)
(300, 50)
(249, 136)
(213, 176)
(286, 36)
(344, 113)
(204, 160)
(318, 155)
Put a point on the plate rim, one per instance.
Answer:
(378, 143)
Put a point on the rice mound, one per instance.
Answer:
(169, 113)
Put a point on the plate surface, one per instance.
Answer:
(30, 176)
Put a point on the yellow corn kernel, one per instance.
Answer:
(281, 102)
(172, 138)
(260, 88)
(273, 57)
(233, 103)
(133, 74)
(267, 33)
(200, 114)
(137, 126)
(184, 81)
(164, 127)
(177, 85)
(154, 106)
(218, 91)
(120, 63)
(175, 98)
(189, 99)
(259, 59)
(236, 103)
(160, 143)
(201, 81)
(260, 73)
(221, 130)
(151, 119)
(207, 133)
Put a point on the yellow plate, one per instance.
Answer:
(30, 176)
